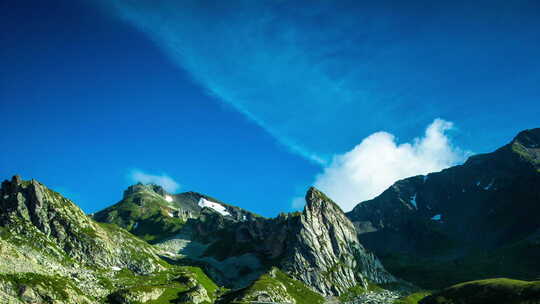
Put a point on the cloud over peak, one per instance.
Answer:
(163, 180)
(379, 161)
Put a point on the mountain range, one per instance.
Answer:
(438, 238)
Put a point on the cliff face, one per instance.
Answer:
(325, 251)
(31, 209)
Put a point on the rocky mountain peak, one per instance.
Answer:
(16, 179)
(316, 199)
(527, 145)
(524, 149)
(327, 244)
(528, 138)
(321, 210)
(14, 184)
(36, 204)
(140, 187)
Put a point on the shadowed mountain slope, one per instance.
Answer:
(482, 215)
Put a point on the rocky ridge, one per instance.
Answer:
(488, 205)
(51, 252)
(318, 247)
(326, 254)
(153, 214)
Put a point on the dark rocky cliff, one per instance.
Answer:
(489, 203)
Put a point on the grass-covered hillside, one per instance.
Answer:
(518, 260)
(492, 291)
(275, 286)
(146, 211)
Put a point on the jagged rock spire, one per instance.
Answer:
(529, 138)
(327, 245)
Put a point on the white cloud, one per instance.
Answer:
(163, 180)
(378, 161)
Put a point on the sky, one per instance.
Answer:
(252, 102)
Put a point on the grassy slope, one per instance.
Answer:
(20, 251)
(272, 282)
(149, 220)
(172, 281)
(493, 291)
(519, 260)
(58, 286)
(358, 290)
(413, 298)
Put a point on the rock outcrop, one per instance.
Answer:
(31, 209)
(325, 252)
(195, 294)
(275, 287)
(136, 296)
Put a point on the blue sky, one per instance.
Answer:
(253, 101)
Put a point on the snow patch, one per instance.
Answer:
(170, 214)
(136, 225)
(489, 186)
(413, 201)
(115, 268)
(215, 206)
(168, 198)
(436, 217)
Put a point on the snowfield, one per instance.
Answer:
(215, 206)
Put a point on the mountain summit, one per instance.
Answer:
(326, 243)
(151, 213)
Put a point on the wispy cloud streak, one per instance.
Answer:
(303, 72)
